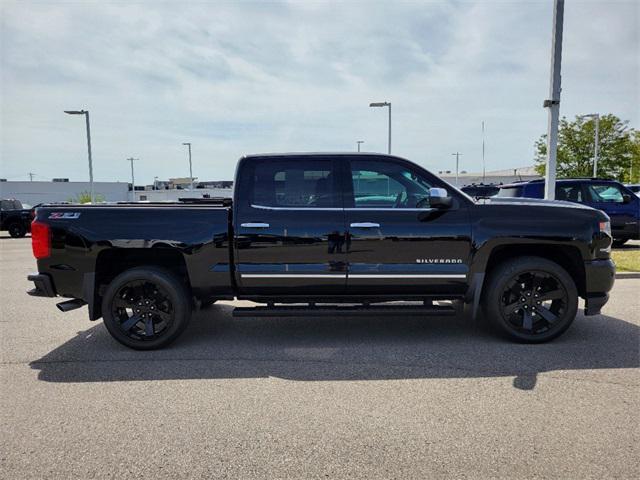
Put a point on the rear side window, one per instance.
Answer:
(570, 193)
(295, 183)
(510, 192)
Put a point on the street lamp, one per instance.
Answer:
(359, 142)
(596, 148)
(133, 179)
(385, 104)
(457, 155)
(86, 114)
(188, 144)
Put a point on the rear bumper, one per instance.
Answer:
(43, 286)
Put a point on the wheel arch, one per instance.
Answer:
(112, 262)
(567, 256)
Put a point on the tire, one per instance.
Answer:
(530, 299)
(17, 230)
(618, 242)
(146, 308)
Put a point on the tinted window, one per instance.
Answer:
(382, 184)
(294, 182)
(570, 193)
(510, 192)
(606, 192)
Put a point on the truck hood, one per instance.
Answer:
(534, 202)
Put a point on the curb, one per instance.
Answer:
(624, 275)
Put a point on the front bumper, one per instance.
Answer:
(599, 278)
(43, 285)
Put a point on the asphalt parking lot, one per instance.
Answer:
(314, 398)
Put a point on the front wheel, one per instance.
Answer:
(146, 308)
(530, 299)
(17, 230)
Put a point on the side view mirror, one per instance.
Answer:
(626, 198)
(439, 198)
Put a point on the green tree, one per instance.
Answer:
(85, 197)
(619, 149)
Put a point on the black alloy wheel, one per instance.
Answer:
(142, 309)
(17, 230)
(146, 308)
(531, 299)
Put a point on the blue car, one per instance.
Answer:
(613, 198)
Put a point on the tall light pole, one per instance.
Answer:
(596, 148)
(133, 178)
(86, 115)
(190, 168)
(484, 169)
(385, 104)
(457, 155)
(553, 102)
(359, 142)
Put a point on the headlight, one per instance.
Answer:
(605, 227)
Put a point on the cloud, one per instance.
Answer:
(237, 78)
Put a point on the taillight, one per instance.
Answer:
(40, 240)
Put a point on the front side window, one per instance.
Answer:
(606, 193)
(294, 183)
(380, 184)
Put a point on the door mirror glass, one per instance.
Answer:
(626, 198)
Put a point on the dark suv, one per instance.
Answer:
(613, 198)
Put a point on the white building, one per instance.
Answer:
(42, 192)
(496, 176)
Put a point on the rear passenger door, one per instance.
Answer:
(290, 232)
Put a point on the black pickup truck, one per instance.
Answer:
(14, 217)
(326, 234)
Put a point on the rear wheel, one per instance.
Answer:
(17, 230)
(530, 299)
(146, 308)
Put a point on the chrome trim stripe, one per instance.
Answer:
(351, 209)
(264, 207)
(293, 275)
(351, 275)
(407, 275)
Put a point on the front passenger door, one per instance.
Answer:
(397, 243)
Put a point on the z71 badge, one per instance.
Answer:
(64, 215)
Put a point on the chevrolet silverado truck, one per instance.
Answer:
(325, 235)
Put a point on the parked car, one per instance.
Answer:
(634, 187)
(15, 217)
(339, 233)
(481, 190)
(613, 198)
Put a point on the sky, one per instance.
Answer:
(235, 78)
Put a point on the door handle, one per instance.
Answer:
(365, 225)
(254, 225)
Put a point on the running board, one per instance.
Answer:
(350, 310)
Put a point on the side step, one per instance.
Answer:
(350, 310)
